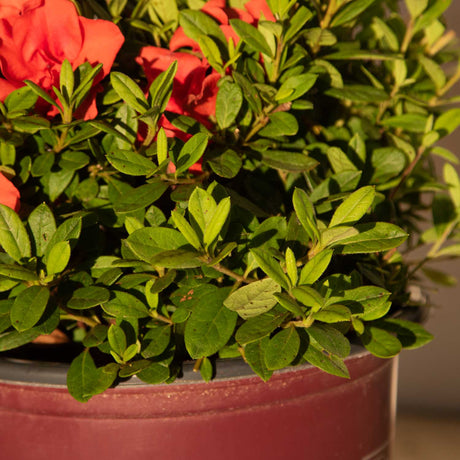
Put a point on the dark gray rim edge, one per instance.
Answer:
(48, 374)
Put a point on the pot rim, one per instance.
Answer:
(16, 371)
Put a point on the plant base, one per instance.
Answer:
(301, 413)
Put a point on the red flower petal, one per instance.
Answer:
(257, 8)
(9, 194)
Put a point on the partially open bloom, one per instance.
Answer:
(9, 194)
(195, 83)
(37, 35)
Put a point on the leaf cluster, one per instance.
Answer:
(301, 235)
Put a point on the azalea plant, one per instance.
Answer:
(189, 180)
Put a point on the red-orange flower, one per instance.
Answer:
(36, 37)
(195, 83)
(9, 194)
(218, 10)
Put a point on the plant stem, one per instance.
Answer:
(406, 173)
(232, 274)
(82, 319)
(331, 10)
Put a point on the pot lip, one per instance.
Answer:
(15, 371)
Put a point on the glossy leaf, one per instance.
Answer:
(29, 307)
(282, 349)
(210, 325)
(13, 235)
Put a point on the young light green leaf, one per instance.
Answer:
(66, 79)
(29, 307)
(434, 11)
(186, 229)
(308, 297)
(333, 314)
(453, 182)
(129, 91)
(315, 267)
(13, 236)
(372, 237)
(42, 93)
(354, 207)
(416, 7)
(250, 35)
(350, 11)
(305, 213)
(42, 224)
(295, 86)
(291, 266)
(254, 299)
(202, 207)
(162, 146)
(211, 52)
(282, 349)
(217, 221)
(197, 23)
(191, 152)
(69, 231)
(58, 258)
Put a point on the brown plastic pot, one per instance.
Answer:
(301, 413)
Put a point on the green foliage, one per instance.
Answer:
(281, 224)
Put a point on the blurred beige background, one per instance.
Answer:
(428, 421)
(430, 377)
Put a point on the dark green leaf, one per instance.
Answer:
(380, 342)
(140, 197)
(42, 224)
(282, 349)
(210, 325)
(131, 163)
(288, 161)
(254, 354)
(250, 35)
(124, 306)
(226, 165)
(261, 326)
(88, 297)
(29, 307)
(228, 104)
(13, 235)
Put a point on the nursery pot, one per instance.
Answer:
(300, 413)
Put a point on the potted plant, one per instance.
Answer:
(203, 182)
